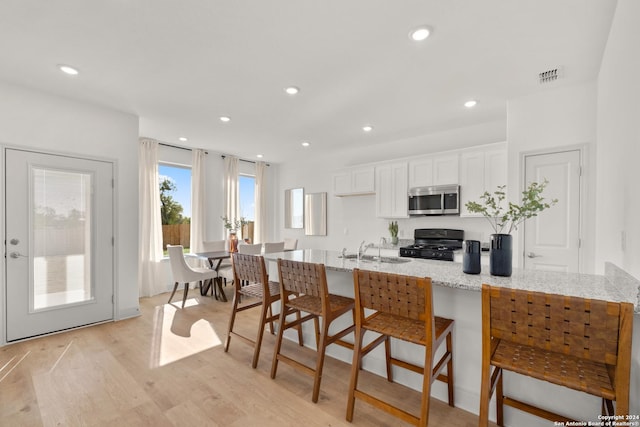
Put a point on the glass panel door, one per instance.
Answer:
(62, 221)
(60, 256)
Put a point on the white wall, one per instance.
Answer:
(618, 148)
(555, 117)
(54, 124)
(351, 220)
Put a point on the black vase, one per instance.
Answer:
(471, 257)
(500, 255)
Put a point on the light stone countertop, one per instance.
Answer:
(616, 285)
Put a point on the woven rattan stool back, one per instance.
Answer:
(582, 344)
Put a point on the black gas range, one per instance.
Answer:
(434, 243)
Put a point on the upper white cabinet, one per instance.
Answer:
(481, 170)
(391, 190)
(433, 170)
(354, 181)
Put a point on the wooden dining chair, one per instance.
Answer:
(303, 289)
(582, 344)
(182, 273)
(402, 308)
(252, 282)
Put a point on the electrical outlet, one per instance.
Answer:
(346, 231)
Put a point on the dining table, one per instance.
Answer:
(215, 259)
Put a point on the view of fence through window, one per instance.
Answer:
(247, 204)
(175, 205)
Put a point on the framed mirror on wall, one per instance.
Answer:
(294, 208)
(315, 214)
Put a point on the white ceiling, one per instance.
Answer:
(180, 64)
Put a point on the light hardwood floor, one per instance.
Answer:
(168, 368)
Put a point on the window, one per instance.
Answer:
(247, 184)
(175, 205)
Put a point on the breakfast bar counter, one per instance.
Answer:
(613, 286)
(457, 296)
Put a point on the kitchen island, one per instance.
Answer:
(457, 296)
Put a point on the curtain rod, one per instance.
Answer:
(244, 160)
(179, 147)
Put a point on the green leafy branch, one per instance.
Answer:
(491, 207)
(235, 224)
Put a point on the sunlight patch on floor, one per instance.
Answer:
(178, 334)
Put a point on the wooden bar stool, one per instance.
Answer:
(303, 288)
(251, 280)
(403, 310)
(582, 344)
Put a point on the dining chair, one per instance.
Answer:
(303, 289)
(273, 247)
(582, 344)
(250, 249)
(182, 273)
(290, 244)
(252, 283)
(400, 307)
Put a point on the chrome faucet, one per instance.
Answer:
(362, 249)
(382, 242)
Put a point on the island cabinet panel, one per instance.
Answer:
(353, 182)
(433, 170)
(391, 190)
(480, 171)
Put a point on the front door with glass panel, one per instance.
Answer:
(59, 251)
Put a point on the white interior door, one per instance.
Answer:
(552, 239)
(59, 251)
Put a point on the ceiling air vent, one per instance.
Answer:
(549, 76)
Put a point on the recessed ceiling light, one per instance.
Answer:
(225, 119)
(305, 144)
(470, 103)
(292, 90)
(367, 128)
(419, 34)
(183, 139)
(68, 70)
(259, 156)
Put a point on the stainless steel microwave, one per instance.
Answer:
(436, 200)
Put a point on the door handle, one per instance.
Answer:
(532, 255)
(17, 255)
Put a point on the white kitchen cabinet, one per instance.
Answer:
(433, 170)
(480, 171)
(356, 181)
(391, 190)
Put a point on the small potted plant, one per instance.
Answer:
(393, 230)
(505, 220)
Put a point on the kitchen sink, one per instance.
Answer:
(372, 258)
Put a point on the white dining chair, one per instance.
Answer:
(250, 249)
(182, 273)
(290, 244)
(273, 247)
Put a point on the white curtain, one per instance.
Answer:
(151, 281)
(260, 226)
(198, 201)
(231, 188)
